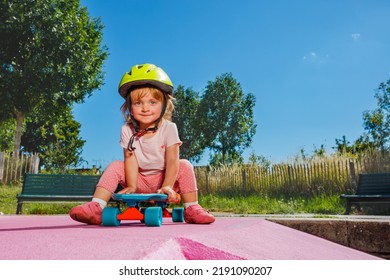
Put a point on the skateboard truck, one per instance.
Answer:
(151, 216)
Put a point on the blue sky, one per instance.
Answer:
(313, 66)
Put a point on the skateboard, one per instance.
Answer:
(151, 215)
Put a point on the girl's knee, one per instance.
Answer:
(186, 180)
(116, 165)
(185, 165)
(112, 176)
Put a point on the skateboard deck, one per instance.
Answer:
(134, 198)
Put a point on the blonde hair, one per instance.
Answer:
(140, 92)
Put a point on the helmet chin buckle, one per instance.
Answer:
(138, 134)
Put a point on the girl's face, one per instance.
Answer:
(146, 108)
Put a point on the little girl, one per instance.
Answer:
(151, 145)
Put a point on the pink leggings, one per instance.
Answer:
(115, 174)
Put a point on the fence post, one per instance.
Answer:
(352, 174)
(243, 180)
(13, 165)
(207, 180)
(2, 162)
(289, 178)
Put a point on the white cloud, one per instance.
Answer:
(310, 56)
(355, 36)
(314, 57)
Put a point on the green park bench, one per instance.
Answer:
(56, 188)
(372, 188)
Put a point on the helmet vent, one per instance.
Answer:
(143, 74)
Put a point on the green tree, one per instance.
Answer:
(258, 160)
(363, 145)
(377, 125)
(186, 119)
(216, 159)
(49, 50)
(228, 113)
(319, 152)
(377, 121)
(359, 148)
(55, 137)
(7, 131)
(343, 146)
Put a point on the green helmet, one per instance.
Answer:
(144, 74)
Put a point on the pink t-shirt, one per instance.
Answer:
(150, 152)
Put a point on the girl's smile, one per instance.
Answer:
(146, 110)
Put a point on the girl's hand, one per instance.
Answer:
(170, 192)
(127, 190)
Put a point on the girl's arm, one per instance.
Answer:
(131, 172)
(171, 171)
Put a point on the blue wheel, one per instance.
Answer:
(178, 214)
(153, 216)
(110, 216)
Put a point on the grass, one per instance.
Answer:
(8, 198)
(8, 203)
(238, 205)
(273, 205)
(320, 205)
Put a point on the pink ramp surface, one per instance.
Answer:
(61, 238)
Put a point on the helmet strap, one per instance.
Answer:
(135, 123)
(130, 146)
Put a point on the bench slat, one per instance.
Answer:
(371, 188)
(56, 187)
(61, 190)
(38, 198)
(71, 185)
(374, 183)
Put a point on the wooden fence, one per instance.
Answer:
(14, 165)
(322, 177)
(316, 178)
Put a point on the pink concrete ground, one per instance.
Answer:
(252, 238)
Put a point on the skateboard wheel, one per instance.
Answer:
(178, 214)
(110, 216)
(153, 216)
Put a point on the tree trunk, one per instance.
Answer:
(18, 131)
